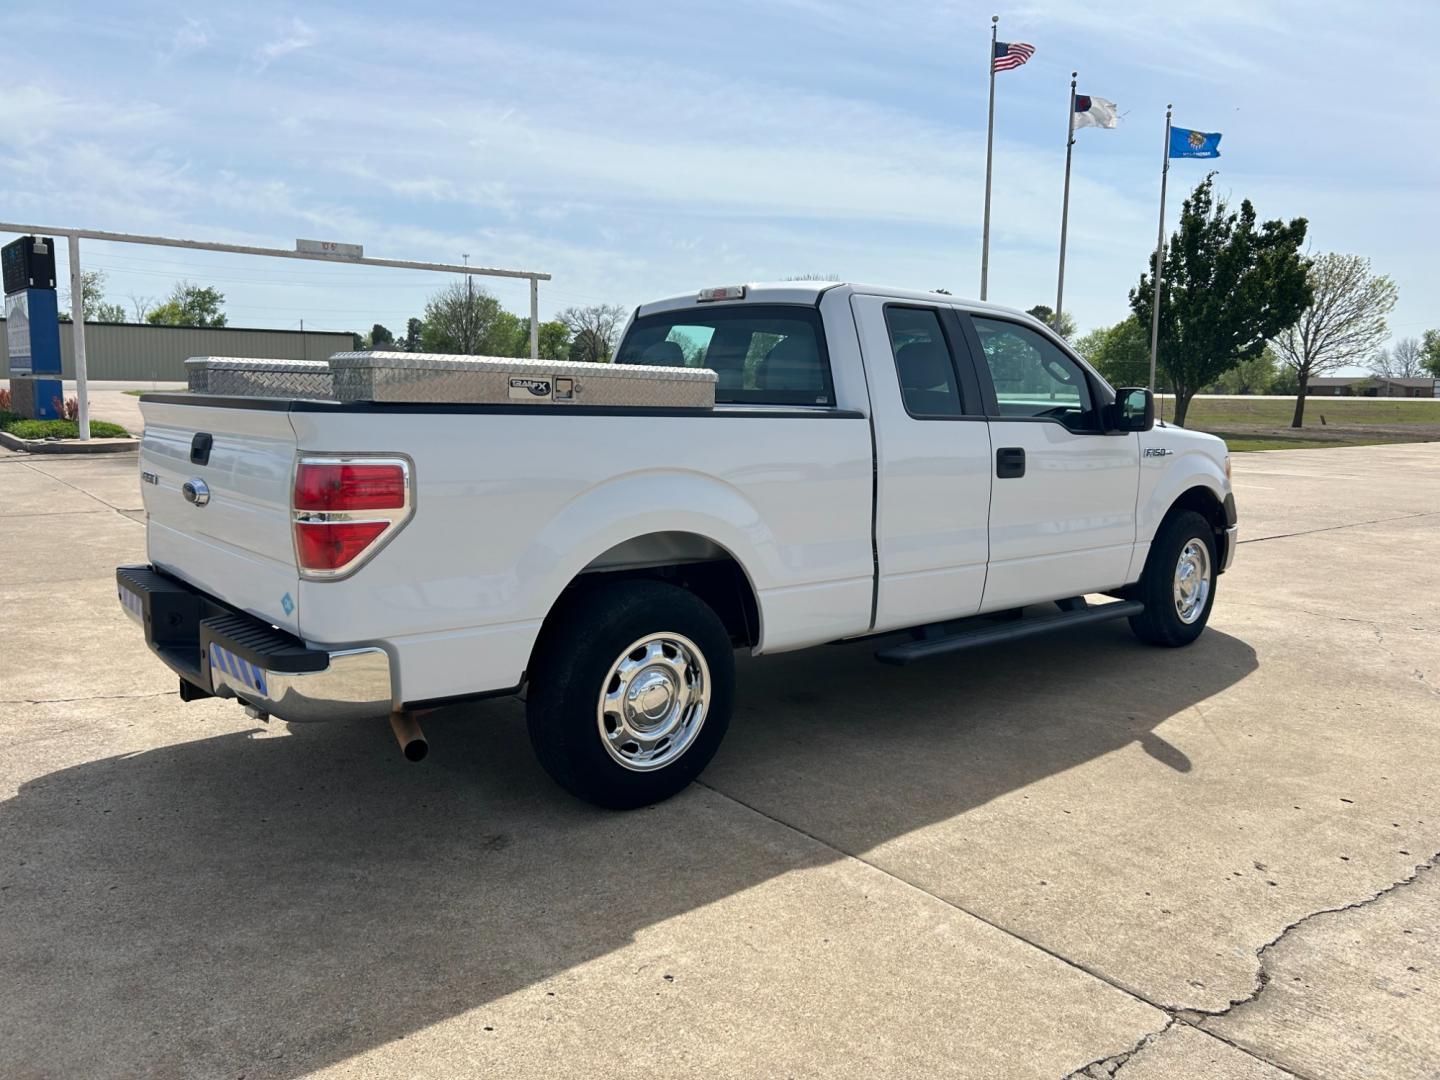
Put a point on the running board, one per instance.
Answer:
(994, 634)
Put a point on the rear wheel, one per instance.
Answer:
(630, 692)
(1178, 586)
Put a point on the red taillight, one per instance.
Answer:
(344, 509)
(337, 487)
(333, 544)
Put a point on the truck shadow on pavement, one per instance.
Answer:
(268, 906)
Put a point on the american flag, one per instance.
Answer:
(1010, 54)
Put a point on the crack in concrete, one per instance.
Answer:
(1262, 977)
(1334, 528)
(89, 697)
(1106, 1067)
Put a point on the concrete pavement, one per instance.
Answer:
(1078, 856)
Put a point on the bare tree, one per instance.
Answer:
(1344, 324)
(142, 306)
(1404, 361)
(596, 328)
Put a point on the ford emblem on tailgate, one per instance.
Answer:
(196, 491)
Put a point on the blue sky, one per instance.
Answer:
(637, 150)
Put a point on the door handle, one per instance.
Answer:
(1010, 462)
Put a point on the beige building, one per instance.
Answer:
(136, 352)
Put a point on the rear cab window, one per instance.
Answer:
(763, 354)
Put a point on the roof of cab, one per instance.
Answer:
(806, 292)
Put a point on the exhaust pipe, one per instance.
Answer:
(409, 736)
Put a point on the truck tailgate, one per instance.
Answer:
(237, 546)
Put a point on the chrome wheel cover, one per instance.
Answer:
(1193, 580)
(653, 702)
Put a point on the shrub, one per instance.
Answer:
(58, 429)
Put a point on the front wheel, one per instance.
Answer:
(1178, 586)
(630, 692)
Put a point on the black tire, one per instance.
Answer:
(578, 646)
(1160, 623)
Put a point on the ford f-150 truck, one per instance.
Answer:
(932, 473)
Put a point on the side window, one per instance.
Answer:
(1033, 377)
(923, 364)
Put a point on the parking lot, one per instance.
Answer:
(1077, 853)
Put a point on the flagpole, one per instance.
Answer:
(1159, 254)
(1065, 205)
(989, 161)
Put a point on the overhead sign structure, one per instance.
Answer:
(330, 249)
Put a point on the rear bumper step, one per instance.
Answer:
(911, 651)
(222, 652)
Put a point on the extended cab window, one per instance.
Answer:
(763, 354)
(1033, 377)
(922, 362)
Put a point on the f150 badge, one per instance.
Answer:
(1158, 451)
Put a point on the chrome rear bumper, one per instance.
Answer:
(354, 686)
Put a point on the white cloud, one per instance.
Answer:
(295, 36)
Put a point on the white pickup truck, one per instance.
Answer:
(904, 466)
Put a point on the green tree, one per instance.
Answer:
(1430, 352)
(554, 340)
(1253, 376)
(590, 348)
(190, 304)
(1045, 314)
(92, 300)
(380, 337)
(414, 331)
(1343, 321)
(466, 322)
(1121, 352)
(1231, 285)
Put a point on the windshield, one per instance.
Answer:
(763, 354)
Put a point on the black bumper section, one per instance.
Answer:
(181, 622)
(1230, 516)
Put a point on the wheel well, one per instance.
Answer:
(1204, 502)
(692, 562)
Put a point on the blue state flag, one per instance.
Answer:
(1187, 143)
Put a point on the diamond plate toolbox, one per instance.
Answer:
(497, 380)
(234, 376)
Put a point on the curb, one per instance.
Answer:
(68, 446)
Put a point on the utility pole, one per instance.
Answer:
(469, 304)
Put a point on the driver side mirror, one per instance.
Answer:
(1134, 409)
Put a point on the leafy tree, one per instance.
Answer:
(1343, 321)
(554, 340)
(1285, 381)
(189, 304)
(589, 347)
(1430, 352)
(466, 322)
(1121, 352)
(380, 337)
(597, 330)
(1045, 314)
(1231, 285)
(414, 331)
(92, 300)
(1253, 376)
